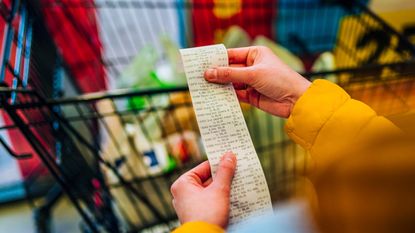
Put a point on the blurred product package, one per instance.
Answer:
(213, 18)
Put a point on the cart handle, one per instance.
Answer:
(14, 154)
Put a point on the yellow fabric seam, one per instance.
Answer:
(328, 119)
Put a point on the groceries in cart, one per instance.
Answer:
(236, 36)
(150, 143)
(95, 108)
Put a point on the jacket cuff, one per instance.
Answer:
(312, 110)
(200, 227)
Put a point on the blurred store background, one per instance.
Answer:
(96, 122)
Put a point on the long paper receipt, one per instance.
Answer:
(223, 129)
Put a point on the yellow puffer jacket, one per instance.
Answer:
(328, 123)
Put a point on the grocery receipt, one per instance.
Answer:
(223, 129)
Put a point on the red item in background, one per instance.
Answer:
(30, 166)
(74, 31)
(16, 139)
(212, 18)
(73, 27)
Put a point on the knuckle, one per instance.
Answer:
(264, 48)
(255, 47)
(224, 188)
(261, 47)
(226, 73)
(175, 187)
(231, 55)
(251, 76)
(252, 54)
(228, 169)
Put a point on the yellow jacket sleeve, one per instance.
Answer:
(328, 122)
(199, 227)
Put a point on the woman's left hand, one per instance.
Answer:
(198, 197)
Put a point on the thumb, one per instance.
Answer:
(226, 170)
(224, 75)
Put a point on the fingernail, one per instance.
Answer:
(229, 156)
(211, 73)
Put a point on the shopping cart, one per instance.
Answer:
(114, 154)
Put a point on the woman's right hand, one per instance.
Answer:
(261, 79)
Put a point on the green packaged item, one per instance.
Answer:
(170, 72)
(171, 165)
(140, 72)
(236, 37)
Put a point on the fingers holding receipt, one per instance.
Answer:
(223, 129)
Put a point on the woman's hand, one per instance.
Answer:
(196, 197)
(261, 79)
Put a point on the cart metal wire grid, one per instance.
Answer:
(87, 142)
